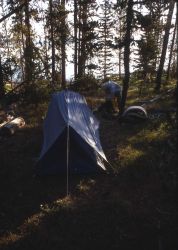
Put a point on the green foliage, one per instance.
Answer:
(147, 52)
(85, 83)
(9, 67)
(8, 87)
(36, 93)
(105, 39)
(148, 49)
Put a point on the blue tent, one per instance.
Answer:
(71, 139)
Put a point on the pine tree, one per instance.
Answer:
(127, 41)
(28, 50)
(171, 52)
(165, 45)
(51, 38)
(63, 43)
(148, 46)
(58, 35)
(106, 39)
(22, 40)
(84, 35)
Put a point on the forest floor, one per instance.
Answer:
(132, 208)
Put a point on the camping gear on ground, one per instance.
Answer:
(8, 128)
(71, 138)
(134, 114)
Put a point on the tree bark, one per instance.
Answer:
(127, 40)
(22, 48)
(53, 66)
(7, 41)
(63, 48)
(165, 44)
(2, 91)
(82, 57)
(120, 49)
(171, 52)
(79, 38)
(46, 46)
(177, 93)
(28, 46)
(75, 40)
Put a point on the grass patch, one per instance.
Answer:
(128, 155)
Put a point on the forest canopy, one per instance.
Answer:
(51, 43)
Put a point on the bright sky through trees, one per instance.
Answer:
(39, 35)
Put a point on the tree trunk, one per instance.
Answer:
(46, 46)
(177, 91)
(105, 58)
(171, 52)
(127, 40)
(52, 42)
(79, 40)
(22, 48)
(28, 46)
(120, 49)
(63, 48)
(82, 57)
(164, 48)
(2, 91)
(7, 42)
(46, 61)
(105, 41)
(120, 62)
(75, 40)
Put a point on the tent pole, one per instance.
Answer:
(67, 172)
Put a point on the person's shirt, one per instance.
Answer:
(111, 88)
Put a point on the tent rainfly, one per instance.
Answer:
(71, 139)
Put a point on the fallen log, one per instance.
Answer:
(2, 124)
(9, 128)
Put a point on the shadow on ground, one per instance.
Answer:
(123, 211)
